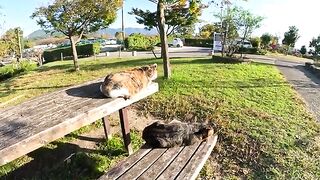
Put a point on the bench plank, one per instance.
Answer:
(43, 104)
(179, 162)
(143, 164)
(161, 164)
(26, 131)
(193, 168)
(126, 164)
(40, 101)
(21, 122)
(164, 163)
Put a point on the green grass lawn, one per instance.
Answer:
(264, 129)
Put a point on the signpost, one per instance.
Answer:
(217, 45)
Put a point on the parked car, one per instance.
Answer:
(245, 43)
(177, 42)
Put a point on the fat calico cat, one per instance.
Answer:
(125, 84)
(176, 133)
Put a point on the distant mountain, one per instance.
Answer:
(41, 34)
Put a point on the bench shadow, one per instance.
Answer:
(48, 162)
(87, 91)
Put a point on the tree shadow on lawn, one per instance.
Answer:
(102, 65)
(123, 63)
(250, 83)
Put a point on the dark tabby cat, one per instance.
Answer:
(176, 133)
(128, 83)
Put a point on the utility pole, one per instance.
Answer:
(122, 28)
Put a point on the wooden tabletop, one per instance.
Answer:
(32, 124)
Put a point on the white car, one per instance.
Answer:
(177, 42)
(245, 44)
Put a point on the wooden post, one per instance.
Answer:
(123, 113)
(106, 127)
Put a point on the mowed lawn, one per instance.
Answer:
(264, 129)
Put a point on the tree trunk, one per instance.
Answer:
(163, 37)
(74, 53)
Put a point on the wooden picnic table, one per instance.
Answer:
(39, 121)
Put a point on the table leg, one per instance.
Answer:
(106, 127)
(123, 113)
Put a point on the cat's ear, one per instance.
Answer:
(145, 68)
(153, 66)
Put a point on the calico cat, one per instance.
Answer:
(125, 84)
(176, 133)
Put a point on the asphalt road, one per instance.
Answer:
(185, 51)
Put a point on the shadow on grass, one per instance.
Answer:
(123, 63)
(50, 163)
(61, 160)
(101, 65)
(250, 83)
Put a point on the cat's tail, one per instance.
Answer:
(114, 91)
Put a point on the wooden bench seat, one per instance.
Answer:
(164, 163)
(35, 123)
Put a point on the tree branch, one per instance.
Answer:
(172, 30)
(80, 36)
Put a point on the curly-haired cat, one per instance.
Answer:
(125, 84)
(176, 133)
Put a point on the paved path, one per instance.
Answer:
(305, 83)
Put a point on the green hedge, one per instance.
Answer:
(82, 50)
(198, 42)
(140, 42)
(253, 50)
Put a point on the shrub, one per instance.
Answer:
(141, 42)
(255, 42)
(82, 50)
(198, 42)
(282, 49)
(11, 70)
(253, 50)
(262, 52)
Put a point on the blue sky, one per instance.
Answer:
(279, 15)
